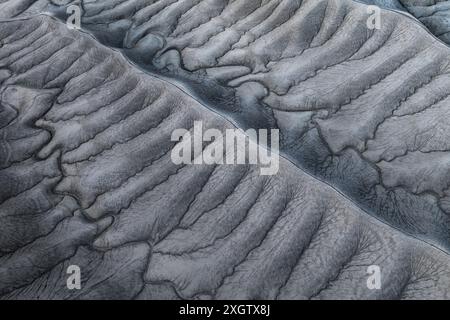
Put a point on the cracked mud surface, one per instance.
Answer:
(86, 175)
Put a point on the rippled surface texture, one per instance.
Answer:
(86, 176)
